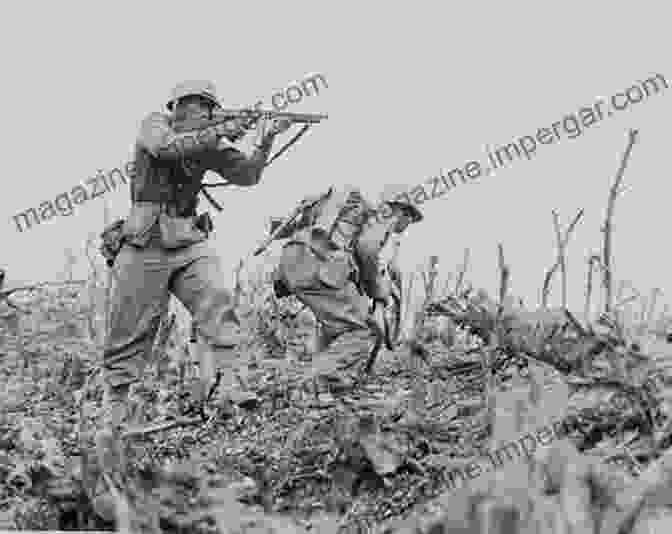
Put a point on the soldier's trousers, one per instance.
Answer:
(145, 278)
(326, 288)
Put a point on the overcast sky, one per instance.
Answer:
(413, 88)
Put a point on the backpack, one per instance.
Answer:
(340, 216)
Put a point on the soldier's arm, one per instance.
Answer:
(159, 138)
(373, 239)
(368, 249)
(235, 166)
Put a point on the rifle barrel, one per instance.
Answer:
(309, 118)
(223, 115)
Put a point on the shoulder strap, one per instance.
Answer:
(330, 211)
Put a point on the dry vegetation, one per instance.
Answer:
(474, 372)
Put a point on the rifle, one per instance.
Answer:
(289, 220)
(292, 217)
(250, 117)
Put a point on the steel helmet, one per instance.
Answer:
(202, 88)
(399, 196)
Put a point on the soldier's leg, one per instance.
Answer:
(333, 298)
(347, 327)
(340, 308)
(139, 298)
(200, 286)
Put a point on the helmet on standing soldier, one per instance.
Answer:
(202, 88)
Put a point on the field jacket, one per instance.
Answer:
(342, 231)
(169, 169)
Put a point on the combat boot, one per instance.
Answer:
(109, 449)
(207, 398)
(217, 388)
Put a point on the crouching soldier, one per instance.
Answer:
(161, 249)
(330, 263)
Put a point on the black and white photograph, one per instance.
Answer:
(340, 268)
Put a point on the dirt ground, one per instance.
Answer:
(348, 461)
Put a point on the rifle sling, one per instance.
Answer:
(210, 198)
(287, 145)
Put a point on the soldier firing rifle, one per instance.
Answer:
(161, 247)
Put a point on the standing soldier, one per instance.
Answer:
(331, 255)
(162, 248)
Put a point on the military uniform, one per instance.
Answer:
(161, 249)
(165, 251)
(330, 262)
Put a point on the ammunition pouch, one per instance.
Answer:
(112, 240)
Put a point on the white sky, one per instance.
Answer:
(413, 88)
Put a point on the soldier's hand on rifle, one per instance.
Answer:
(270, 128)
(279, 126)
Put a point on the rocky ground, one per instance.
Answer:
(354, 461)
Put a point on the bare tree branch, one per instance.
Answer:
(560, 260)
(607, 229)
(593, 260)
(504, 276)
(463, 270)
